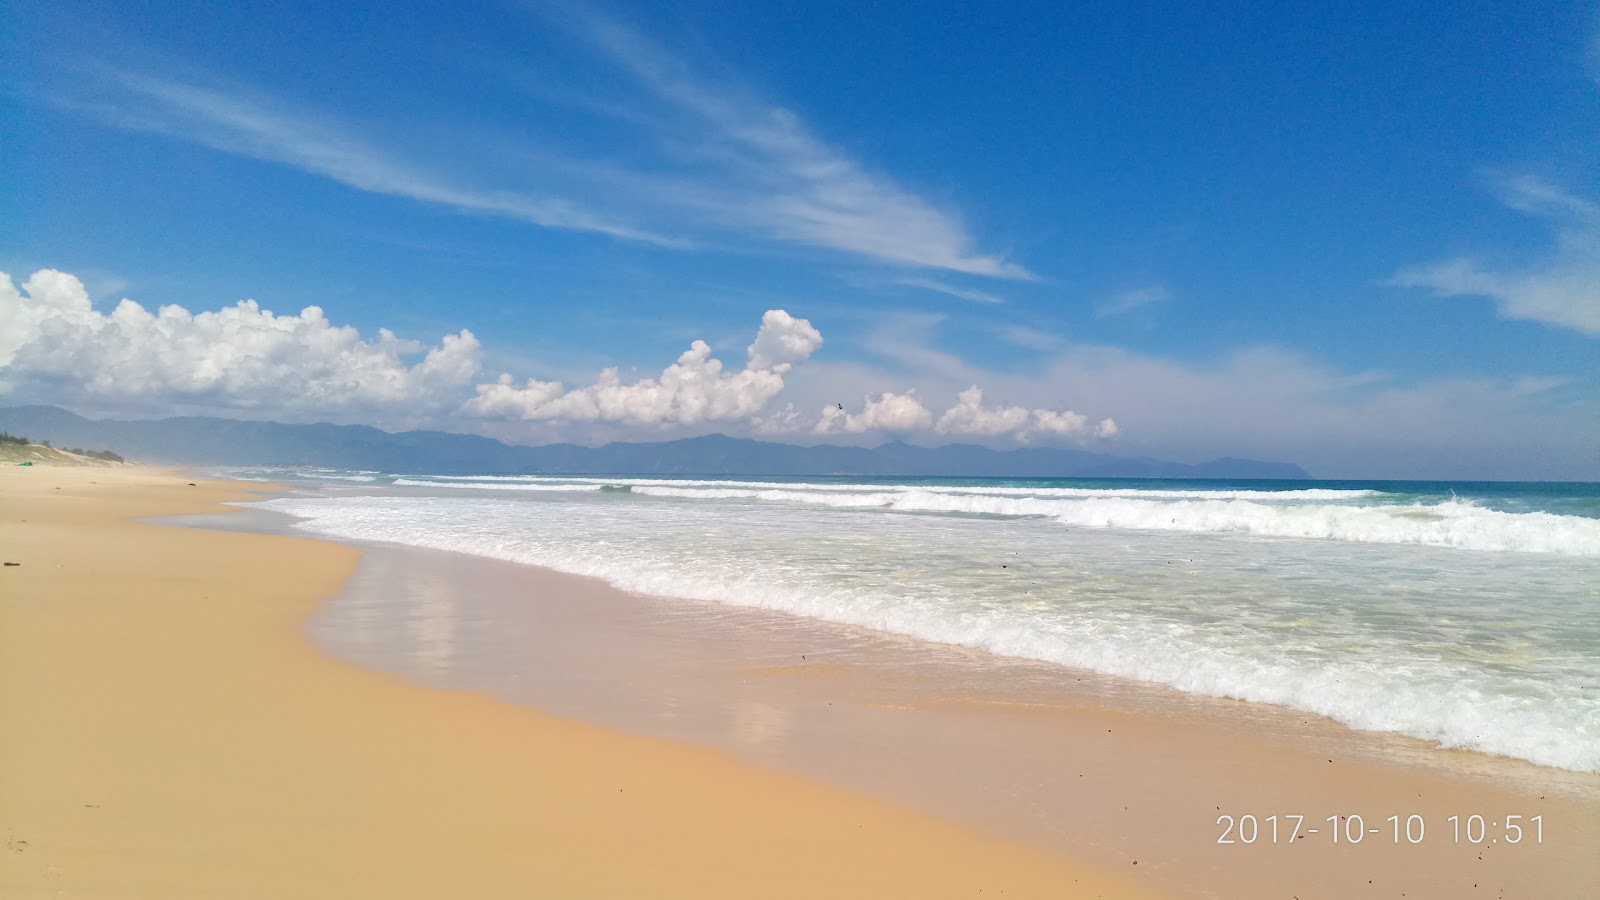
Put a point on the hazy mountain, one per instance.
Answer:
(200, 440)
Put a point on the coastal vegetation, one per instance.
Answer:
(18, 448)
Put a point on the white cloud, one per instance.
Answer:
(886, 412)
(782, 341)
(53, 342)
(1564, 290)
(774, 175)
(930, 284)
(261, 130)
(1130, 300)
(1031, 338)
(778, 423)
(1259, 403)
(907, 338)
(693, 390)
(1263, 402)
(1267, 403)
(718, 164)
(971, 417)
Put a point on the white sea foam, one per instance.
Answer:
(999, 491)
(1452, 523)
(503, 486)
(339, 477)
(491, 478)
(1496, 653)
(1360, 516)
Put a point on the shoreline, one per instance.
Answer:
(860, 709)
(1474, 649)
(195, 742)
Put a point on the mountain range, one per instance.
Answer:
(196, 440)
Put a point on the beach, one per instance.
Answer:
(1089, 767)
(182, 717)
(846, 451)
(170, 732)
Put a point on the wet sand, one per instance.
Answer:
(167, 730)
(1084, 766)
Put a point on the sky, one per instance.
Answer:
(1364, 239)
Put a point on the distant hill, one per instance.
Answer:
(16, 451)
(210, 441)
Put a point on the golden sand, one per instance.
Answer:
(167, 731)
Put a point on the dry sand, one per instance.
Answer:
(166, 731)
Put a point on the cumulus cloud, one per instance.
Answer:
(53, 341)
(692, 390)
(782, 341)
(777, 423)
(1563, 290)
(971, 417)
(886, 412)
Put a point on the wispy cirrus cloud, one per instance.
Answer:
(1030, 338)
(940, 287)
(774, 174)
(272, 132)
(1134, 299)
(709, 162)
(1561, 290)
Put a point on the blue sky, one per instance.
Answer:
(1366, 240)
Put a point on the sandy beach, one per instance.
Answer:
(1089, 767)
(168, 731)
(851, 451)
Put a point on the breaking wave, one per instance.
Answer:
(1317, 630)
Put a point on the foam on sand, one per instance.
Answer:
(1320, 625)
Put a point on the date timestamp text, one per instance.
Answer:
(1471, 830)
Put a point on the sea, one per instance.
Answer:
(1465, 614)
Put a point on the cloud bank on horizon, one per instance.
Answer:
(53, 343)
(243, 359)
(246, 361)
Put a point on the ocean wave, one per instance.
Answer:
(501, 486)
(1549, 720)
(487, 478)
(1300, 494)
(1457, 524)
